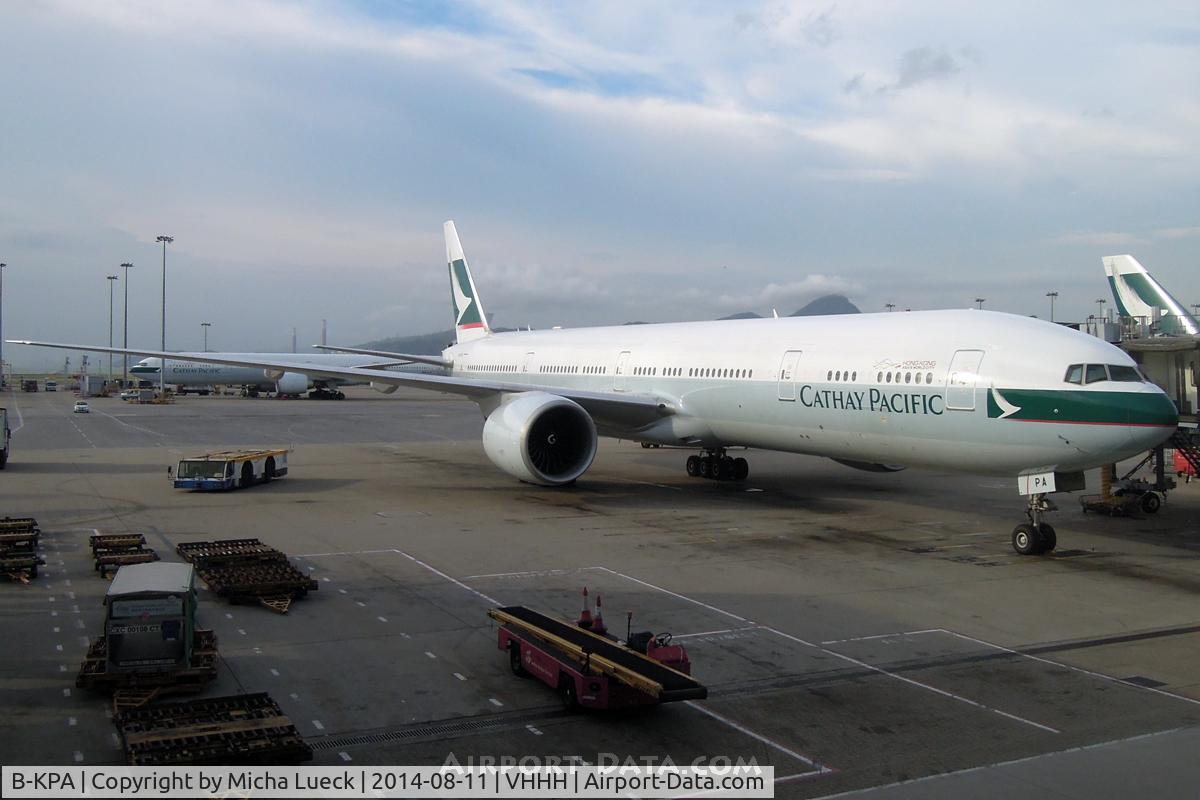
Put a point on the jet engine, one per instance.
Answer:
(867, 466)
(384, 388)
(291, 383)
(540, 438)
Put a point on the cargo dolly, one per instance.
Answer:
(590, 670)
(248, 571)
(134, 689)
(111, 551)
(19, 537)
(240, 729)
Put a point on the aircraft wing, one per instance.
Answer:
(620, 411)
(436, 361)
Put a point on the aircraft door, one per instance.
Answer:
(527, 367)
(787, 375)
(620, 374)
(962, 379)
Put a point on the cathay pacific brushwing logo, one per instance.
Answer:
(464, 303)
(1007, 409)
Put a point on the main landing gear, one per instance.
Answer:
(718, 466)
(1035, 537)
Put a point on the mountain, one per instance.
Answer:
(829, 304)
(744, 315)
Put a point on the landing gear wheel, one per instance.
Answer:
(340, 395)
(693, 466)
(1150, 503)
(1025, 540)
(705, 467)
(741, 469)
(718, 469)
(1049, 538)
(514, 661)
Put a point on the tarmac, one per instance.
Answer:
(866, 634)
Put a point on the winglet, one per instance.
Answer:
(470, 322)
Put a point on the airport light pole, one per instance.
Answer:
(981, 301)
(162, 365)
(1100, 301)
(125, 346)
(889, 306)
(2, 266)
(1052, 295)
(205, 326)
(111, 278)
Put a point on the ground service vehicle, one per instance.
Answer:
(51, 386)
(81, 407)
(233, 469)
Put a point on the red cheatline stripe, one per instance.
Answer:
(1079, 422)
(470, 325)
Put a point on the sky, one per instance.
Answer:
(604, 162)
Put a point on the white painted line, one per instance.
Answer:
(62, 667)
(71, 721)
(881, 636)
(50, 598)
(361, 604)
(58, 647)
(495, 702)
(941, 775)
(456, 582)
(67, 582)
(405, 635)
(74, 609)
(431, 655)
(317, 724)
(382, 619)
(325, 579)
(341, 591)
(228, 615)
(529, 574)
(347, 553)
(674, 594)
(55, 614)
(1080, 670)
(66, 692)
(275, 672)
(242, 631)
(758, 736)
(916, 683)
(78, 756)
(80, 624)
(57, 629)
(71, 595)
(345, 756)
(460, 676)
(294, 696)
(714, 633)
(533, 730)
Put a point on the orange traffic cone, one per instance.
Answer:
(585, 618)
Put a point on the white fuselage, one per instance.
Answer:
(967, 390)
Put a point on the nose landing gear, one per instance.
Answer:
(1035, 537)
(718, 466)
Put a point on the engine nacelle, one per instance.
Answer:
(868, 466)
(292, 383)
(540, 438)
(384, 388)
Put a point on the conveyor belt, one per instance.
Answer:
(675, 685)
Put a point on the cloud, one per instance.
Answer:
(1098, 238)
(1177, 233)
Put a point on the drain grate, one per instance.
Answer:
(1142, 680)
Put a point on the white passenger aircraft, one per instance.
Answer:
(970, 391)
(194, 373)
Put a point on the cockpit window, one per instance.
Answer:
(1117, 372)
(1074, 374)
(1095, 373)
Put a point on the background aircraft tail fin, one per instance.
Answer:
(470, 321)
(1138, 294)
